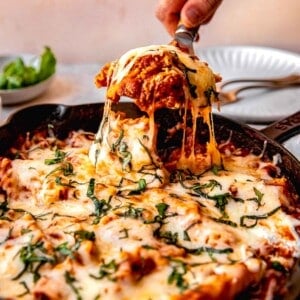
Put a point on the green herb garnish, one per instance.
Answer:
(33, 257)
(59, 156)
(102, 207)
(79, 236)
(107, 271)
(255, 218)
(131, 212)
(225, 221)
(70, 280)
(176, 277)
(258, 198)
(16, 74)
(125, 235)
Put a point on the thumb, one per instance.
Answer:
(197, 12)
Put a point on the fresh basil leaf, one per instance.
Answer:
(47, 64)
(16, 74)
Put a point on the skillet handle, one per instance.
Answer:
(283, 129)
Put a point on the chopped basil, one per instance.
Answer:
(162, 209)
(126, 157)
(116, 144)
(162, 214)
(221, 201)
(152, 168)
(258, 198)
(107, 271)
(65, 250)
(176, 277)
(148, 247)
(210, 92)
(141, 186)
(40, 216)
(276, 265)
(27, 291)
(59, 156)
(199, 189)
(102, 207)
(25, 230)
(129, 211)
(3, 208)
(215, 169)
(66, 168)
(224, 221)
(82, 235)
(121, 148)
(168, 236)
(67, 183)
(255, 218)
(33, 257)
(186, 236)
(79, 236)
(209, 250)
(211, 184)
(125, 235)
(70, 280)
(181, 178)
(192, 87)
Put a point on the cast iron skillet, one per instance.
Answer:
(87, 117)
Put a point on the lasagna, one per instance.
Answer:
(112, 215)
(163, 76)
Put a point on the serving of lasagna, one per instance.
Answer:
(150, 207)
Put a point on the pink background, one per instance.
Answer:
(102, 30)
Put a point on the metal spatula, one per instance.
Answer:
(185, 37)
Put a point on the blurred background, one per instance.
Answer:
(81, 31)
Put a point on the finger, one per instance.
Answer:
(168, 12)
(196, 12)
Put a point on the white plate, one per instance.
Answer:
(261, 105)
(16, 96)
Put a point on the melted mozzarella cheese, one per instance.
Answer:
(127, 147)
(106, 220)
(170, 228)
(199, 93)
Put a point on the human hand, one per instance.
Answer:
(192, 13)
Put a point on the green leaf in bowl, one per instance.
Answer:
(16, 74)
(14, 82)
(30, 76)
(47, 64)
(15, 67)
(3, 81)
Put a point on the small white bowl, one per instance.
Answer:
(15, 96)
